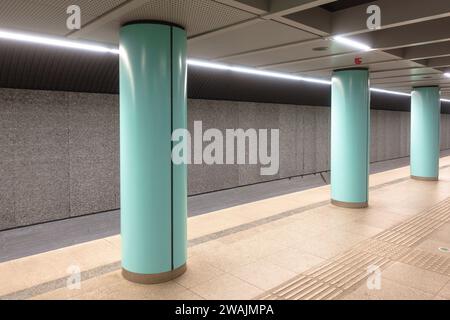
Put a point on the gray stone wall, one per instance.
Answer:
(59, 151)
(58, 155)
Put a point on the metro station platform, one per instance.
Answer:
(293, 246)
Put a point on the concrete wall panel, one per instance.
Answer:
(299, 145)
(309, 140)
(213, 114)
(373, 135)
(59, 152)
(322, 139)
(288, 141)
(257, 116)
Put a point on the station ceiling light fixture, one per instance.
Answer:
(54, 41)
(352, 43)
(89, 46)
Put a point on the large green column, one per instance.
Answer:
(350, 127)
(153, 189)
(425, 122)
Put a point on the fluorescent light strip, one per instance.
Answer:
(390, 92)
(253, 71)
(62, 42)
(56, 42)
(447, 74)
(352, 43)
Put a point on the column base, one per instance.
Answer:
(351, 205)
(153, 278)
(425, 178)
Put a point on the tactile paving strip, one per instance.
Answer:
(331, 279)
(428, 261)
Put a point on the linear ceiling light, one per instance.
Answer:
(254, 71)
(447, 74)
(390, 92)
(56, 42)
(352, 43)
(62, 42)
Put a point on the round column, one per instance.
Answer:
(425, 123)
(153, 189)
(350, 127)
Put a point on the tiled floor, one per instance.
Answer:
(31, 240)
(254, 249)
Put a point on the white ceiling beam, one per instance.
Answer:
(258, 7)
(279, 8)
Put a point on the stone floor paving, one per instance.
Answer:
(265, 248)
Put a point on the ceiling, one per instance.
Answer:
(412, 47)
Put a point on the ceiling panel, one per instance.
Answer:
(335, 62)
(291, 53)
(343, 4)
(246, 38)
(88, 7)
(198, 16)
(403, 72)
(392, 65)
(46, 16)
(428, 77)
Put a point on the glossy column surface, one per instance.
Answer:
(425, 122)
(350, 112)
(153, 189)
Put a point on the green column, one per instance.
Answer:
(350, 127)
(153, 189)
(425, 122)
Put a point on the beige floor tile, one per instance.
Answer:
(227, 287)
(417, 278)
(358, 228)
(206, 224)
(198, 271)
(206, 247)
(289, 236)
(125, 290)
(240, 253)
(442, 234)
(445, 291)
(389, 290)
(294, 260)
(432, 246)
(86, 287)
(55, 264)
(115, 241)
(263, 274)
(267, 207)
(27, 272)
(263, 256)
(88, 256)
(330, 244)
(381, 220)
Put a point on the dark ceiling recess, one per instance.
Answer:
(343, 4)
(24, 66)
(28, 66)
